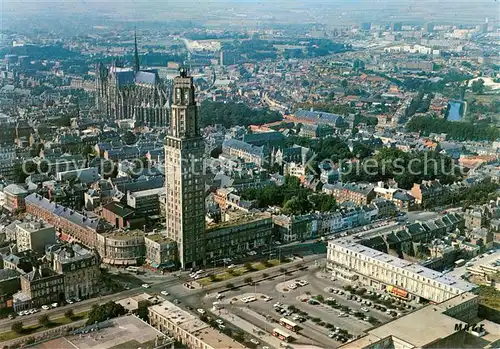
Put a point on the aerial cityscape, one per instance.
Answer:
(250, 174)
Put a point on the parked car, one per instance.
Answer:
(201, 311)
(254, 341)
(146, 286)
(54, 305)
(219, 321)
(366, 310)
(165, 293)
(45, 307)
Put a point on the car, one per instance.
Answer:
(165, 293)
(33, 311)
(388, 312)
(176, 301)
(219, 296)
(288, 313)
(54, 305)
(366, 310)
(219, 321)
(69, 301)
(21, 313)
(76, 299)
(342, 314)
(221, 327)
(303, 282)
(331, 335)
(292, 286)
(277, 304)
(254, 341)
(201, 311)
(231, 266)
(267, 298)
(11, 316)
(45, 307)
(296, 317)
(145, 285)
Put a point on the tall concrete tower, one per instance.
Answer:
(184, 177)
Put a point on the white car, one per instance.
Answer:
(254, 341)
(366, 310)
(277, 305)
(146, 286)
(231, 266)
(45, 307)
(165, 293)
(201, 311)
(219, 321)
(69, 301)
(303, 283)
(54, 305)
(21, 313)
(267, 298)
(292, 286)
(342, 314)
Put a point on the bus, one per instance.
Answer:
(289, 324)
(460, 262)
(133, 269)
(282, 335)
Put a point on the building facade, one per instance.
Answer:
(239, 235)
(121, 247)
(184, 178)
(360, 194)
(80, 268)
(160, 251)
(350, 260)
(38, 287)
(34, 236)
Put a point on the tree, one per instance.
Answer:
(17, 327)
(69, 314)
(247, 280)
(142, 309)
(44, 320)
(344, 84)
(129, 138)
(478, 86)
(249, 266)
(229, 285)
(320, 298)
(105, 311)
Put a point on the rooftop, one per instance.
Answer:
(239, 220)
(158, 237)
(148, 192)
(124, 234)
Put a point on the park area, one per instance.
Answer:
(238, 271)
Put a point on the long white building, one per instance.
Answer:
(350, 260)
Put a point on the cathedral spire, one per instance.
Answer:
(136, 53)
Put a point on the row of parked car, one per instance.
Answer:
(46, 307)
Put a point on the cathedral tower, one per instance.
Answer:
(184, 175)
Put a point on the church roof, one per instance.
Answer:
(146, 77)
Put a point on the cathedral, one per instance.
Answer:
(133, 94)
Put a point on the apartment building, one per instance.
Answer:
(146, 202)
(14, 196)
(34, 236)
(188, 329)
(79, 267)
(38, 287)
(244, 151)
(68, 223)
(160, 250)
(121, 247)
(350, 260)
(360, 194)
(238, 234)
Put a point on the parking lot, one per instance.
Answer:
(325, 318)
